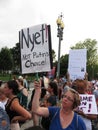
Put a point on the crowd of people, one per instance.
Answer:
(55, 106)
(14, 101)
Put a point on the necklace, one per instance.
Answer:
(66, 116)
(62, 119)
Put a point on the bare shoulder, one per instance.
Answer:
(25, 91)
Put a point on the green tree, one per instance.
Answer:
(91, 46)
(16, 57)
(64, 64)
(53, 55)
(5, 59)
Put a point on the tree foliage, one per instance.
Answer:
(5, 59)
(91, 46)
(16, 56)
(63, 64)
(92, 56)
(53, 55)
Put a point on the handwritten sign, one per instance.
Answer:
(88, 104)
(34, 46)
(77, 63)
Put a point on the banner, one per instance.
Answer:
(88, 104)
(77, 63)
(34, 46)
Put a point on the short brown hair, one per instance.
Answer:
(76, 102)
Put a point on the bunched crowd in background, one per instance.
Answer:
(53, 104)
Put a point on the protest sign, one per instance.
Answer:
(46, 82)
(35, 47)
(77, 63)
(88, 104)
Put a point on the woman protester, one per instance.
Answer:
(81, 86)
(23, 93)
(3, 98)
(64, 117)
(13, 108)
(51, 97)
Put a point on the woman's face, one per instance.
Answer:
(7, 91)
(49, 89)
(68, 100)
(2, 95)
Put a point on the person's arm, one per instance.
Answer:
(90, 116)
(36, 108)
(68, 76)
(23, 113)
(86, 76)
(87, 116)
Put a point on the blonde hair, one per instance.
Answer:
(76, 97)
(2, 87)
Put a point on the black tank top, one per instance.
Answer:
(10, 112)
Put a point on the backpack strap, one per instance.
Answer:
(13, 99)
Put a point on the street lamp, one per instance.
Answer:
(60, 28)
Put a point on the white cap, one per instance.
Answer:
(20, 77)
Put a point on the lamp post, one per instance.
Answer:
(60, 28)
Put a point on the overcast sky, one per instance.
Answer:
(80, 19)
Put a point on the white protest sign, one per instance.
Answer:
(88, 104)
(34, 46)
(77, 63)
(46, 82)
